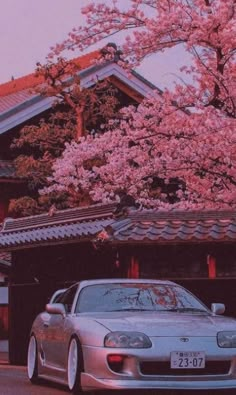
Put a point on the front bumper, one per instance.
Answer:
(98, 375)
(90, 383)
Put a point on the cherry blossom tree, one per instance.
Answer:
(177, 150)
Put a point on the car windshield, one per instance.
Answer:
(137, 297)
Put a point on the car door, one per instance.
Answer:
(56, 330)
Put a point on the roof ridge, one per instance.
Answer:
(183, 214)
(58, 217)
(31, 80)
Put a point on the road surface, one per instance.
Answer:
(14, 381)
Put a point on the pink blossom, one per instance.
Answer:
(187, 134)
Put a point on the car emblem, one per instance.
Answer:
(184, 339)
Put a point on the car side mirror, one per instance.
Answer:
(56, 308)
(218, 308)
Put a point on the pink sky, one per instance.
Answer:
(28, 28)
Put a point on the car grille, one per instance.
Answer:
(158, 368)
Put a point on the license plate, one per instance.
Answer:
(187, 360)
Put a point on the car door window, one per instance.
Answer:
(68, 298)
(57, 296)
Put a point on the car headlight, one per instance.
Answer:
(226, 339)
(127, 340)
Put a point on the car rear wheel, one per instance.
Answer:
(32, 360)
(74, 366)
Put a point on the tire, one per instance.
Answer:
(74, 366)
(32, 360)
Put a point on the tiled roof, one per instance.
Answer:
(72, 224)
(7, 169)
(175, 227)
(98, 223)
(20, 101)
(17, 91)
(14, 99)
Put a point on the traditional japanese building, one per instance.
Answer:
(21, 104)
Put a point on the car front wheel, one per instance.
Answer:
(32, 360)
(74, 366)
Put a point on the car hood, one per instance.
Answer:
(167, 324)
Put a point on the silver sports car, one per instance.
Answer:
(132, 334)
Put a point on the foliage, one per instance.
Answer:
(75, 112)
(187, 135)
